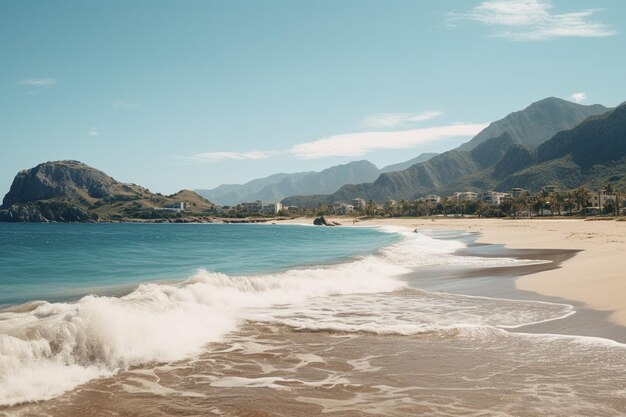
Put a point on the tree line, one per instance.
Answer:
(560, 203)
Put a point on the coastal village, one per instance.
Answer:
(518, 202)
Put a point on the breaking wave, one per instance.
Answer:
(49, 348)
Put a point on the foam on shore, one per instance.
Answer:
(49, 348)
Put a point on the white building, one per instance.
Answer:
(273, 208)
(493, 197)
(465, 196)
(175, 207)
(600, 199)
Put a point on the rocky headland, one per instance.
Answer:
(71, 191)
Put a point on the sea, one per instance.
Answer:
(282, 320)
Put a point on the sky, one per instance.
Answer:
(193, 94)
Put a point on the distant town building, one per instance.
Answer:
(431, 199)
(358, 203)
(465, 196)
(493, 197)
(343, 209)
(600, 199)
(516, 192)
(551, 189)
(272, 208)
(176, 207)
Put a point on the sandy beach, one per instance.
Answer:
(448, 323)
(596, 276)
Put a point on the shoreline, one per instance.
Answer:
(593, 278)
(286, 363)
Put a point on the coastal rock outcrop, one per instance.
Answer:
(66, 179)
(321, 221)
(44, 213)
(71, 191)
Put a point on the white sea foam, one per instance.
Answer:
(46, 349)
(53, 347)
(410, 312)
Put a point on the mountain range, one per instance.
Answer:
(499, 162)
(589, 152)
(278, 186)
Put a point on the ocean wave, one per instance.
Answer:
(420, 250)
(49, 348)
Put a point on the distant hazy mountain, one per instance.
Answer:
(592, 152)
(404, 165)
(278, 186)
(537, 122)
(232, 194)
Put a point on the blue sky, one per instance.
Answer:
(193, 94)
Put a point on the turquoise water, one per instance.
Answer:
(56, 262)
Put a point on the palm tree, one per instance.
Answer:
(568, 197)
(610, 191)
(544, 194)
(556, 202)
(371, 208)
(389, 208)
(581, 195)
(405, 207)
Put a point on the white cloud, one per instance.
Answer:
(578, 97)
(39, 82)
(210, 157)
(93, 132)
(385, 120)
(350, 144)
(358, 144)
(533, 20)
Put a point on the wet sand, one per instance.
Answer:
(501, 283)
(595, 277)
(275, 371)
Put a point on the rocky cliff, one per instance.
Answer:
(71, 191)
(61, 179)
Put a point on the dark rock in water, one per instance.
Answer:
(321, 221)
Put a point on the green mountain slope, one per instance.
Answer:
(423, 157)
(420, 179)
(537, 122)
(592, 154)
